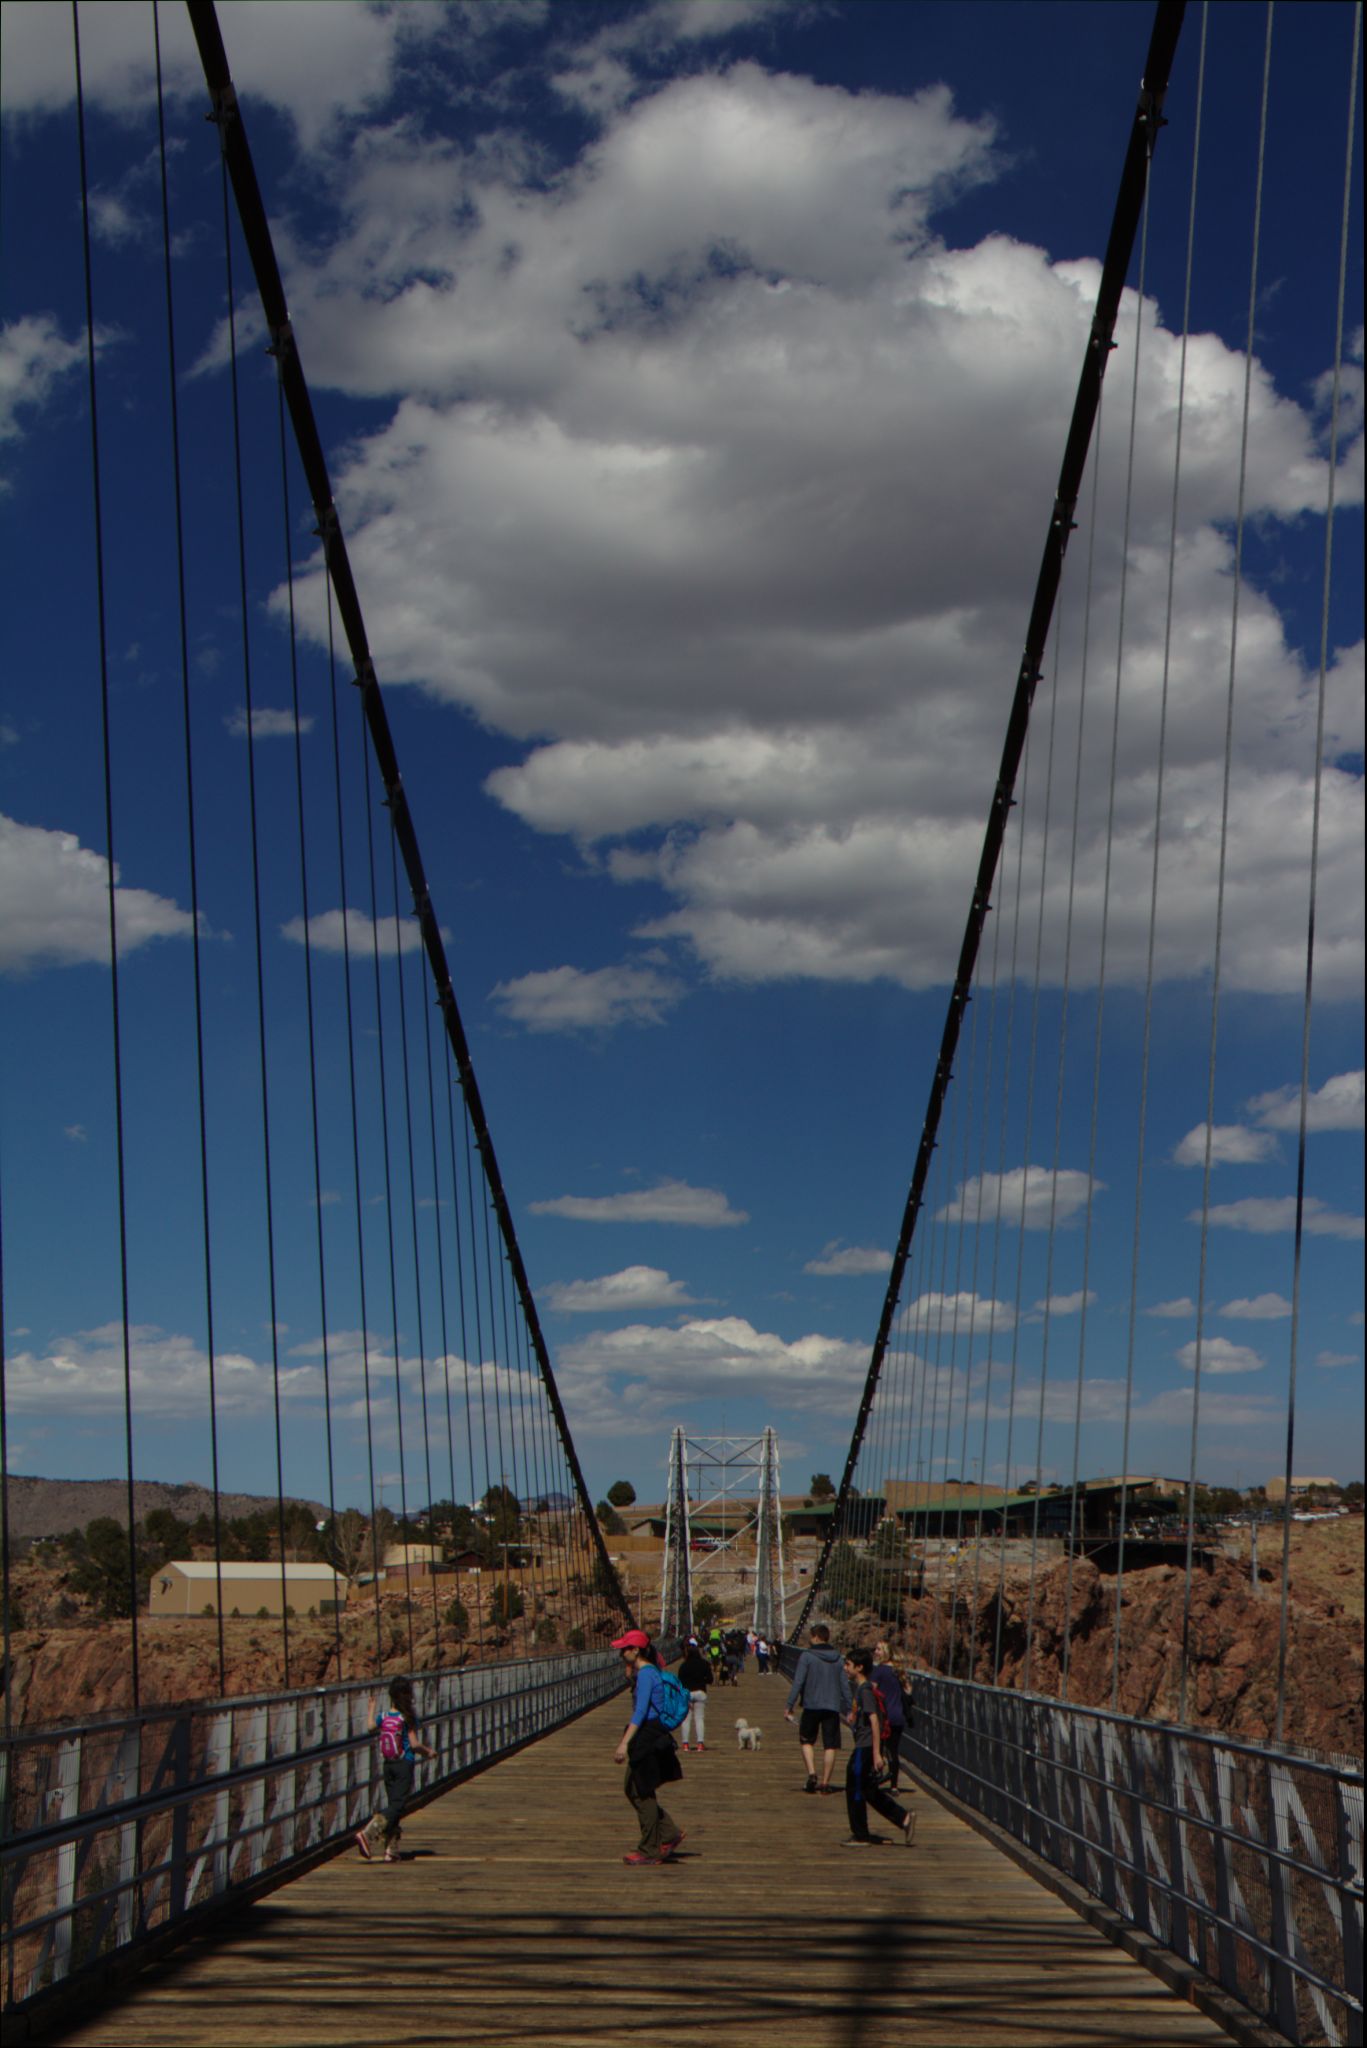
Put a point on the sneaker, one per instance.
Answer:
(638, 1857)
(811, 1782)
(858, 1842)
(390, 1857)
(909, 1829)
(667, 1848)
(701, 1747)
(828, 1791)
(685, 1749)
(363, 1843)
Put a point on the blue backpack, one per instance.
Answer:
(675, 1700)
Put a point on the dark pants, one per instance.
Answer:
(892, 1753)
(656, 1826)
(861, 1793)
(398, 1790)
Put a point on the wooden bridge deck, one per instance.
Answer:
(512, 1920)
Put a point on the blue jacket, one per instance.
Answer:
(820, 1682)
(645, 1701)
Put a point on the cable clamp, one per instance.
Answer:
(282, 340)
(364, 678)
(224, 108)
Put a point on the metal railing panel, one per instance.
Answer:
(1245, 1861)
(120, 1829)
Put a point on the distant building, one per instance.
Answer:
(1276, 1488)
(414, 1559)
(191, 1587)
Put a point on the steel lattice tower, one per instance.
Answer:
(734, 1480)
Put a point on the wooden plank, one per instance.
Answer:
(511, 1919)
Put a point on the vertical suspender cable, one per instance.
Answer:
(1283, 1626)
(425, 1007)
(464, 1335)
(1098, 1028)
(107, 742)
(193, 849)
(1160, 771)
(971, 1668)
(1076, 1468)
(308, 996)
(357, 1193)
(380, 1066)
(1030, 1070)
(1184, 1666)
(1004, 1522)
(267, 1177)
(413, 1203)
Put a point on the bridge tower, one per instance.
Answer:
(676, 1585)
(723, 1495)
(770, 1616)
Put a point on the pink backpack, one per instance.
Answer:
(391, 1737)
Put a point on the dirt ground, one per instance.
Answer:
(1327, 1562)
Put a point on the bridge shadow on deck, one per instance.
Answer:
(519, 1924)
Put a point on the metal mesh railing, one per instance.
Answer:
(118, 1829)
(1245, 1861)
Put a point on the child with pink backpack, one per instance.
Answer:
(397, 1729)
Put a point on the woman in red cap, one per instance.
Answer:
(649, 1752)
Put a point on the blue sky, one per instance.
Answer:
(694, 378)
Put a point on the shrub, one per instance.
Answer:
(263, 1614)
(457, 1619)
(208, 1609)
(546, 1631)
(575, 1639)
(507, 1603)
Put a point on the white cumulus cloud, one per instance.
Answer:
(54, 903)
(848, 1260)
(351, 931)
(1261, 1308)
(1219, 1355)
(959, 1314)
(577, 999)
(1230, 1145)
(670, 1201)
(681, 365)
(1028, 1196)
(1183, 1305)
(1265, 1215)
(266, 724)
(1336, 1106)
(633, 1289)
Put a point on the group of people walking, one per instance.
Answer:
(859, 1689)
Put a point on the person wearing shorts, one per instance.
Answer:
(823, 1691)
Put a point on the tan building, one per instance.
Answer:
(413, 1558)
(1276, 1488)
(191, 1587)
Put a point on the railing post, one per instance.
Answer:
(1179, 1922)
(63, 1804)
(1283, 1901)
(1348, 1837)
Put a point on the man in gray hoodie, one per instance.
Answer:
(824, 1691)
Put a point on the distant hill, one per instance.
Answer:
(49, 1507)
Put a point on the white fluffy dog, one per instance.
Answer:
(746, 1736)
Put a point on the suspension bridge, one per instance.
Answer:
(302, 1097)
